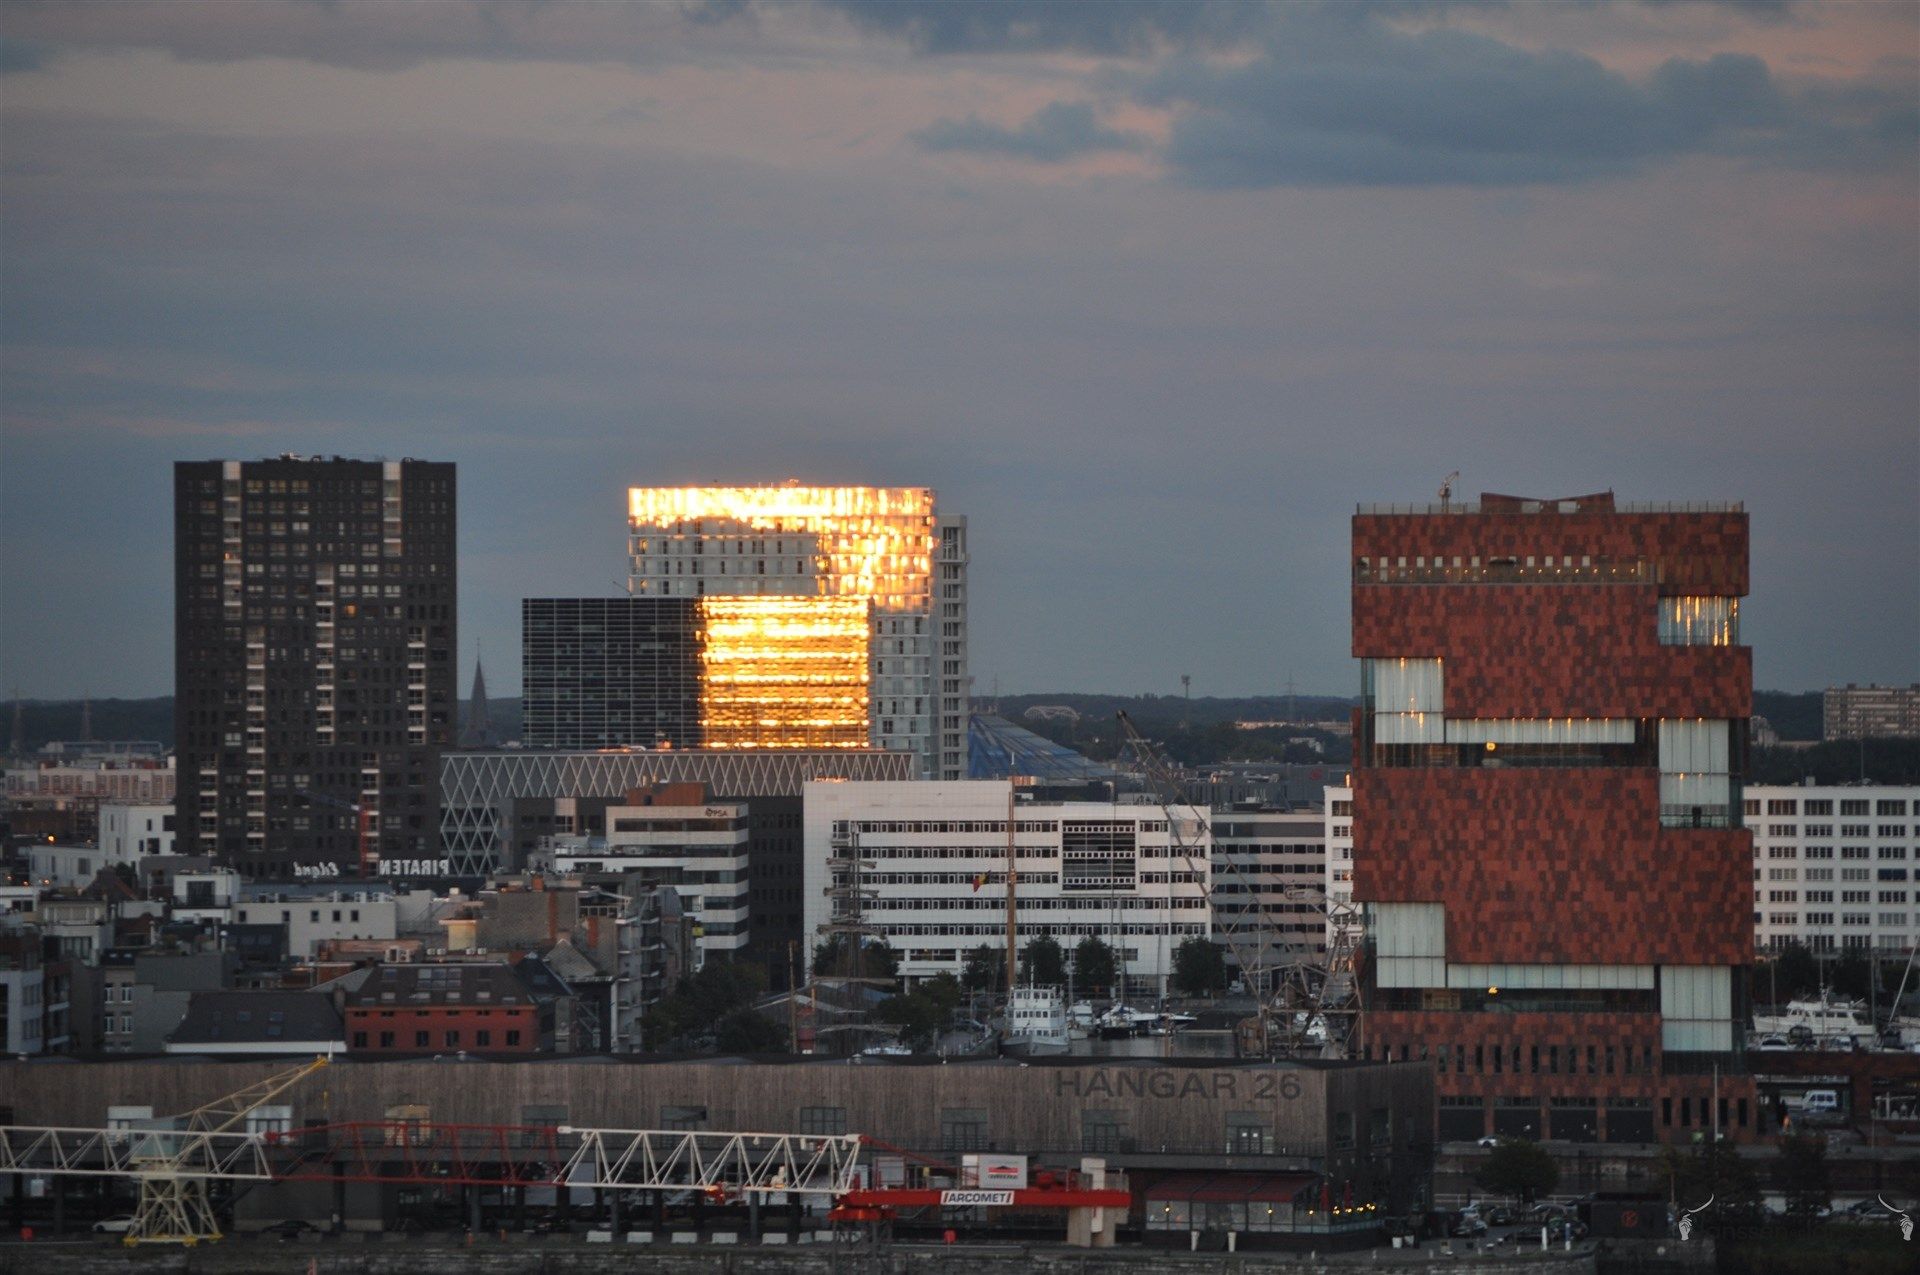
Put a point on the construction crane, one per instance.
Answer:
(1284, 1019)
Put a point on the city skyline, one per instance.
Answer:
(1156, 300)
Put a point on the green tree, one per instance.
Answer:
(746, 1032)
(1043, 961)
(1715, 1171)
(1801, 1174)
(1517, 1167)
(917, 1015)
(1094, 965)
(1794, 973)
(835, 958)
(1200, 967)
(985, 969)
(1852, 976)
(944, 990)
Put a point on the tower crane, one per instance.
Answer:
(1310, 998)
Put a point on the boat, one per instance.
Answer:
(1122, 1021)
(1821, 1019)
(891, 1049)
(1037, 1021)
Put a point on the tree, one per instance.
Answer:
(917, 1015)
(1516, 1167)
(745, 1032)
(833, 958)
(1795, 973)
(1853, 976)
(1043, 961)
(1801, 1173)
(1094, 964)
(1199, 967)
(1714, 1171)
(985, 969)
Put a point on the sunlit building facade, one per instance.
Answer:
(884, 549)
(776, 672)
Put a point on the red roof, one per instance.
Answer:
(1268, 1188)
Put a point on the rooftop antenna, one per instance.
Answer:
(1186, 686)
(86, 720)
(1446, 489)
(19, 742)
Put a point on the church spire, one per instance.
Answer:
(479, 732)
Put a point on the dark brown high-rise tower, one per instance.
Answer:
(314, 645)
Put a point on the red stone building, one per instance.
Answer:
(1547, 813)
(482, 1008)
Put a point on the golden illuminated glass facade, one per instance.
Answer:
(884, 547)
(783, 672)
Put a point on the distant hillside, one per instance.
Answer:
(43, 721)
(1194, 732)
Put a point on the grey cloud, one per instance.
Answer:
(1056, 132)
(1339, 104)
(1134, 27)
(366, 34)
(21, 55)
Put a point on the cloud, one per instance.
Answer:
(366, 34)
(21, 55)
(1343, 104)
(1083, 26)
(1055, 133)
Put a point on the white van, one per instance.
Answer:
(1820, 1102)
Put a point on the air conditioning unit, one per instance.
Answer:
(436, 951)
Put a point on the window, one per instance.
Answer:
(386, 1040)
(482, 1038)
(453, 1040)
(407, 1125)
(963, 1129)
(513, 1038)
(1103, 1129)
(1248, 1133)
(823, 1120)
(1889, 807)
(359, 1040)
(420, 1040)
(1343, 1131)
(683, 1118)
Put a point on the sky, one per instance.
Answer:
(1154, 292)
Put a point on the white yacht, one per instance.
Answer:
(1823, 1019)
(1037, 1021)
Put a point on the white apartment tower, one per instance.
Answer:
(885, 545)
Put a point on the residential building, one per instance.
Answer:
(313, 915)
(1835, 869)
(130, 1000)
(931, 865)
(1547, 832)
(1270, 886)
(772, 672)
(1871, 712)
(675, 836)
(481, 1007)
(67, 867)
(250, 1024)
(315, 632)
(887, 547)
(130, 832)
(22, 991)
(61, 794)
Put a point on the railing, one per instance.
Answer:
(1638, 571)
(1528, 507)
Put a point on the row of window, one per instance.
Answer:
(1824, 806)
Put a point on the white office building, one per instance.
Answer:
(1835, 868)
(933, 869)
(1339, 816)
(699, 850)
(1270, 885)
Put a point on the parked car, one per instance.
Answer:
(1499, 1215)
(1772, 1043)
(1489, 1141)
(1469, 1226)
(113, 1225)
(1869, 1210)
(287, 1228)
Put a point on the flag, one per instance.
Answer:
(978, 882)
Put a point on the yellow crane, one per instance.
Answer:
(171, 1164)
